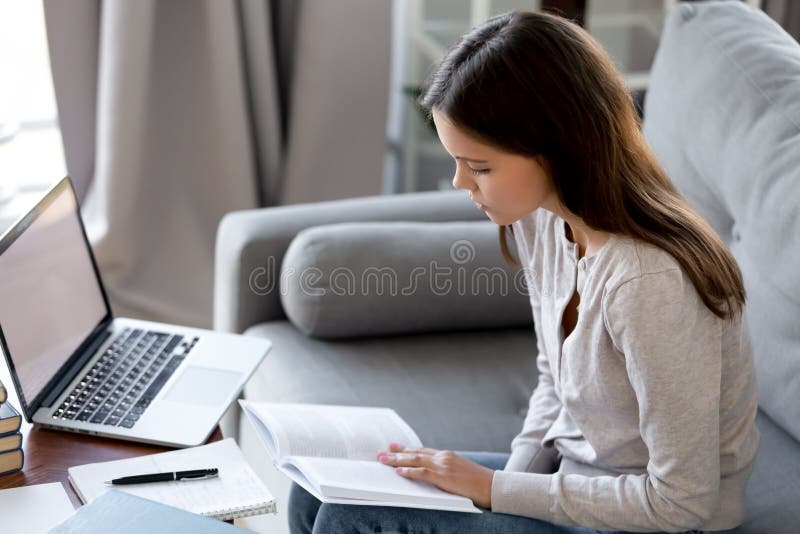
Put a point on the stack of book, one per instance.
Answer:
(11, 456)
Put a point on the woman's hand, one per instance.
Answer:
(445, 469)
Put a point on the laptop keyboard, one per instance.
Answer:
(123, 382)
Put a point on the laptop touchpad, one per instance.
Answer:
(203, 386)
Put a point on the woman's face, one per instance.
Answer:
(505, 186)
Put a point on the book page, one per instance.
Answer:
(336, 478)
(269, 430)
(36, 508)
(352, 432)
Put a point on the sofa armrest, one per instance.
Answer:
(251, 244)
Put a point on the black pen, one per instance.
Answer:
(197, 474)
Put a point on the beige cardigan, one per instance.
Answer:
(650, 402)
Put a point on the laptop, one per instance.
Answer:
(76, 367)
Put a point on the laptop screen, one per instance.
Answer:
(50, 297)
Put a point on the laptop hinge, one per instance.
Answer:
(74, 369)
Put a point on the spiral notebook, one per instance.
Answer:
(236, 492)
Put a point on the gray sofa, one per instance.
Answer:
(722, 115)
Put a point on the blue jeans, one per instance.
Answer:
(307, 515)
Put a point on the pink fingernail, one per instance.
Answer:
(400, 470)
(382, 457)
(394, 445)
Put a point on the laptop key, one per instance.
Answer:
(128, 422)
(172, 344)
(112, 420)
(99, 416)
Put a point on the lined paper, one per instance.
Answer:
(236, 492)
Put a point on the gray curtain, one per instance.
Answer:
(174, 112)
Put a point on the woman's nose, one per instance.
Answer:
(459, 182)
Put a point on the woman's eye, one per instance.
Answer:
(478, 171)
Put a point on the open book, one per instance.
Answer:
(331, 451)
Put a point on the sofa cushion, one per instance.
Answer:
(369, 279)
(723, 118)
(473, 395)
(773, 492)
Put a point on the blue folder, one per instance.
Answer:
(123, 513)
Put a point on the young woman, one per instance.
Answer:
(643, 418)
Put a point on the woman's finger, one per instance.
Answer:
(416, 473)
(406, 459)
(395, 447)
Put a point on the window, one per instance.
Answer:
(31, 152)
(423, 29)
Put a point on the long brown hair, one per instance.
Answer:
(538, 85)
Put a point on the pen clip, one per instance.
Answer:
(202, 477)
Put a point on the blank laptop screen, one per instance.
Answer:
(50, 298)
